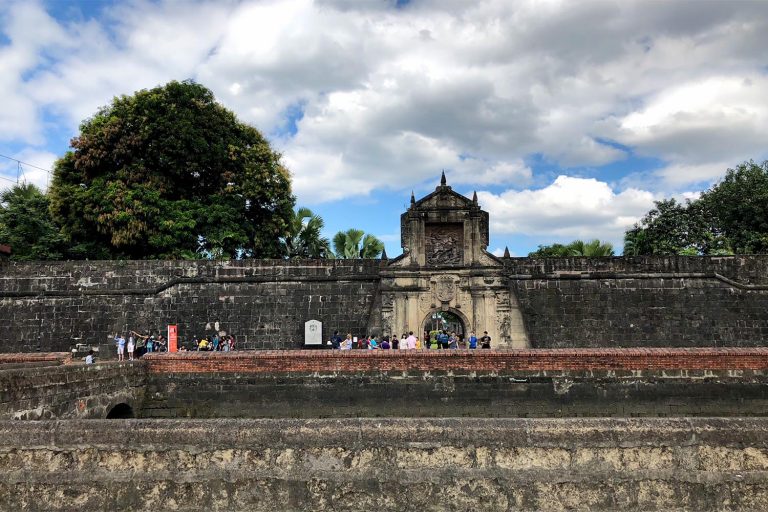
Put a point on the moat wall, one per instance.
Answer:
(458, 464)
(568, 302)
(540, 383)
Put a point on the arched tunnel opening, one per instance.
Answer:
(120, 411)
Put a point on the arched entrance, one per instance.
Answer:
(120, 411)
(449, 320)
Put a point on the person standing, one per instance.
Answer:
(485, 341)
(472, 340)
(120, 341)
(335, 341)
(453, 341)
(131, 347)
(410, 341)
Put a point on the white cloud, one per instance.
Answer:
(391, 96)
(567, 208)
(701, 127)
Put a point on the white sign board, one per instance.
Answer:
(313, 332)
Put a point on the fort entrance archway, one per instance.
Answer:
(450, 321)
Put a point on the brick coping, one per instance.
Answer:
(303, 361)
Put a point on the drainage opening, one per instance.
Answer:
(120, 411)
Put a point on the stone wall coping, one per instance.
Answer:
(212, 434)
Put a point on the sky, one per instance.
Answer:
(569, 119)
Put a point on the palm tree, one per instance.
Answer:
(304, 239)
(354, 243)
(593, 248)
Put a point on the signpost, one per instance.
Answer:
(173, 339)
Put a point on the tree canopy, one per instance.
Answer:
(354, 243)
(730, 217)
(170, 173)
(593, 248)
(26, 225)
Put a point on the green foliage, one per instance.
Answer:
(550, 251)
(354, 243)
(304, 239)
(593, 248)
(26, 225)
(739, 207)
(170, 173)
(732, 216)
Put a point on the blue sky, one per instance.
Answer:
(568, 118)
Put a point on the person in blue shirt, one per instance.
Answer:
(472, 340)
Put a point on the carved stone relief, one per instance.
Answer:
(444, 244)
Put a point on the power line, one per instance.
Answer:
(19, 162)
(20, 171)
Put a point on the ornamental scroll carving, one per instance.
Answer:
(444, 244)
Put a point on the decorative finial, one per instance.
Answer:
(442, 180)
(474, 197)
(384, 254)
(506, 252)
(413, 198)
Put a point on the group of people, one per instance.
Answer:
(438, 340)
(139, 344)
(213, 343)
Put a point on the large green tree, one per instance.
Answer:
(354, 243)
(732, 216)
(170, 173)
(26, 225)
(738, 207)
(304, 238)
(672, 228)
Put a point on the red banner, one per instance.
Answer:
(173, 339)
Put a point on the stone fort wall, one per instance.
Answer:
(569, 302)
(263, 303)
(642, 301)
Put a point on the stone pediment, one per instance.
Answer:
(443, 197)
(444, 229)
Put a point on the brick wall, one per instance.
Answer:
(304, 361)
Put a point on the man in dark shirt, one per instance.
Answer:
(336, 340)
(485, 341)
